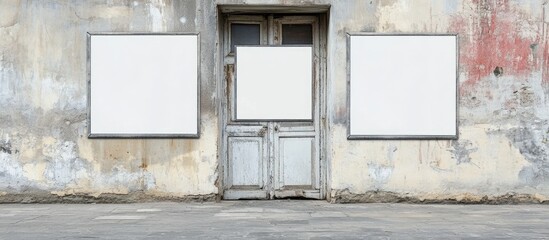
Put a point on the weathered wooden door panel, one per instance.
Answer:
(295, 161)
(270, 159)
(246, 165)
(245, 162)
(297, 172)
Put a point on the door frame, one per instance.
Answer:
(223, 95)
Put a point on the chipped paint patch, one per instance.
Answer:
(379, 173)
(533, 144)
(461, 151)
(157, 21)
(413, 16)
(10, 13)
(492, 34)
(5, 147)
(11, 173)
(422, 167)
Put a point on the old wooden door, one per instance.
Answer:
(271, 159)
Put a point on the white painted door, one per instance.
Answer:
(270, 159)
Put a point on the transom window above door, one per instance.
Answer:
(257, 29)
(297, 34)
(245, 34)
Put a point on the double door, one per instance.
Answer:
(276, 158)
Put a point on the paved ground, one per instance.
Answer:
(283, 219)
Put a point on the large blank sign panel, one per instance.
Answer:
(402, 86)
(143, 85)
(274, 83)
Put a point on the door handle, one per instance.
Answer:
(276, 128)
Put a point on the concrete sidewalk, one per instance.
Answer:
(282, 219)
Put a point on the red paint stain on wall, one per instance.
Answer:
(545, 59)
(490, 37)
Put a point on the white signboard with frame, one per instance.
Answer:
(274, 83)
(402, 86)
(143, 85)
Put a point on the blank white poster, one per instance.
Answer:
(403, 86)
(143, 85)
(274, 83)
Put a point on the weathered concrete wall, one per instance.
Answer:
(43, 136)
(503, 146)
(504, 113)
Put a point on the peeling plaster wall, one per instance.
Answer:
(43, 135)
(504, 101)
(503, 145)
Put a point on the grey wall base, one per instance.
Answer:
(135, 197)
(344, 196)
(338, 197)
